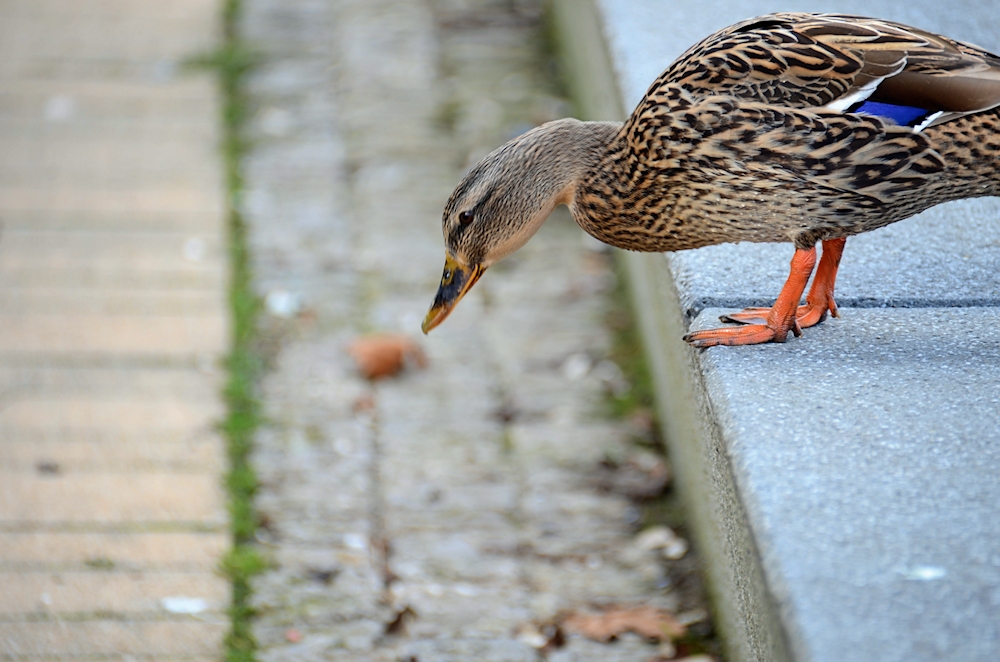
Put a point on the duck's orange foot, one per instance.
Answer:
(819, 302)
(780, 318)
(751, 334)
(808, 315)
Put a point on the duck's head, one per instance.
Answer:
(503, 201)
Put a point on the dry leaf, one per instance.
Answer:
(385, 355)
(649, 622)
(643, 475)
(398, 624)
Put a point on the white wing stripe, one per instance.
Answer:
(927, 122)
(859, 95)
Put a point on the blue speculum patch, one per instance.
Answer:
(902, 115)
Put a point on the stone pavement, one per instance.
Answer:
(844, 484)
(438, 515)
(112, 321)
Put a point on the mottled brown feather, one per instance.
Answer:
(811, 60)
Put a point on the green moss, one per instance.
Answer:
(244, 363)
(665, 510)
(447, 115)
(100, 563)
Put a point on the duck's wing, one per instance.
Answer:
(841, 63)
(741, 147)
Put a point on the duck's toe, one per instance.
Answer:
(750, 334)
(817, 306)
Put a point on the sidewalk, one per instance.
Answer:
(445, 514)
(112, 321)
(843, 484)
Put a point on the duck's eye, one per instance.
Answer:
(465, 217)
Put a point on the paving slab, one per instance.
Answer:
(180, 453)
(109, 301)
(113, 287)
(61, 593)
(110, 153)
(100, 497)
(106, 640)
(882, 531)
(846, 479)
(60, 551)
(137, 199)
(123, 334)
(186, 103)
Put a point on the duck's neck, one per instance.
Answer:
(576, 150)
(549, 166)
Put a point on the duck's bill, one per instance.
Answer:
(456, 281)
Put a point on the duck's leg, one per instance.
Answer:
(820, 297)
(781, 317)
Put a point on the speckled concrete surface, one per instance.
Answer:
(867, 463)
(865, 454)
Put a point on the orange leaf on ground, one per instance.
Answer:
(648, 622)
(381, 356)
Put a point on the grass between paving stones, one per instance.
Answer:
(244, 362)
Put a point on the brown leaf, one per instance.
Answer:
(649, 622)
(381, 356)
(643, 475)
(398, 624)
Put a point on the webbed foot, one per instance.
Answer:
(751, 334)
(780, 318)
(808, 315)
(773, 324)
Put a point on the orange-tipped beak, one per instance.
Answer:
(456, 281)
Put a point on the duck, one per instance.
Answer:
(792, 127)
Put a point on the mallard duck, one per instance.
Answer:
(792, 127)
